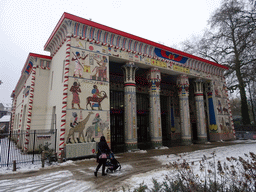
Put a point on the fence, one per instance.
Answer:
(12, 146)
(245, 131)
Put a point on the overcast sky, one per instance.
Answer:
(25, 26)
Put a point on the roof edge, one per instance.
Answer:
(30, 55)
(118, 32)
(35, 55)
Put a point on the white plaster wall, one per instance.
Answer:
(39, 111)
(19, 103)
(55, 89)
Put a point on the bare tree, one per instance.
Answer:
(231, 41)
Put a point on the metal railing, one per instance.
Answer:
(12, 146)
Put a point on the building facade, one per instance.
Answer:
(137, 93)
(5, 109)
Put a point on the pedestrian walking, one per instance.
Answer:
(103, 151)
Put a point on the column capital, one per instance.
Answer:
(183, 85)
(198, 85)
(200, 80)
(154, 79)
(209, 86)
(129, 70)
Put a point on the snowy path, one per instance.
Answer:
(136, 168)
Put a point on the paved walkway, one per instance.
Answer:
(82, 171)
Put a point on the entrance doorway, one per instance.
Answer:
(166, 137)
(117, 121)
(143, 121)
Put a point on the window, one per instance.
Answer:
(44, 64)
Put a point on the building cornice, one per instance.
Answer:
(68, 21)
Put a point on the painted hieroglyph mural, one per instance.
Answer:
(88, 93)
(222, 106)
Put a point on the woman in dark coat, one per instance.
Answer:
(102, 148)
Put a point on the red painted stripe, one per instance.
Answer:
(129, 84)
(61, 143)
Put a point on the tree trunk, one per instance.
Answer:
(244, 105)
(253, 114)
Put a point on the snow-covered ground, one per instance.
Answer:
(57, 180)
(221, 153)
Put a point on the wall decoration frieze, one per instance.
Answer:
(139, 50)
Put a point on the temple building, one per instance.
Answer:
(137, 93)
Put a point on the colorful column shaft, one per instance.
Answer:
(154, 79)
(200, 113)
(183, 86)
(213, 125)
(130, 108)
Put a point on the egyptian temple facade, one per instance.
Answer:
(137, 93)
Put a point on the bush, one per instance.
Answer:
(49, 154)
(237, 175)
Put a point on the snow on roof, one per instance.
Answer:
(7, 104)
(5, 118)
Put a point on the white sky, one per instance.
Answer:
(26, 25)
(63, 180)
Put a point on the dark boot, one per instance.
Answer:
(103, 169)
(97, 168)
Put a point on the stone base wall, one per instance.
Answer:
(131, 146)
(78, 150)
(156, 144)
(221, 136)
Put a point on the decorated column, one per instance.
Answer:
(212, 125)
(183, 86)
(213, 128)
(154, 79)
(200, 113)
(130, 109)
